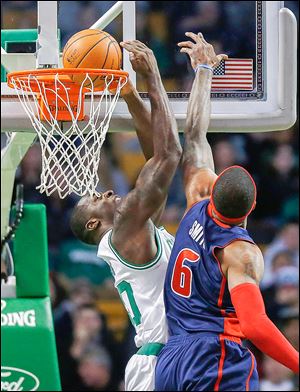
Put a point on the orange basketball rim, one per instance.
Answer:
(59, 97)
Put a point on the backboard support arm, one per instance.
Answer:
(47, 45)
(11, 157)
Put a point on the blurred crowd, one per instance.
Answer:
(94, 335)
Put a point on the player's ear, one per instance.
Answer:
(92, 224)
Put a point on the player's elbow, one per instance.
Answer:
(250, 328)
(247, 330)
(171, 154)
(174, 157)
(177, 150)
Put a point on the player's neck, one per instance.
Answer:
(103, 232)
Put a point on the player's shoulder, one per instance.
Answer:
(244, 257)
(242, 251)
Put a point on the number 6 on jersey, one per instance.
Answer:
(181, 282)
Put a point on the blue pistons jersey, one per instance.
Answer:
(196, 293)
(205, 337)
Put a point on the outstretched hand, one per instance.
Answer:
(141, 57)
(200, 51)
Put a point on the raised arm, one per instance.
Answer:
(141, 116)
(242, 264)
(154, 180)
(197, 162)
(142, 121)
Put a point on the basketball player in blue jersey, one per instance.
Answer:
(211, 293)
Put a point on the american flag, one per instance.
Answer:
(233, 74)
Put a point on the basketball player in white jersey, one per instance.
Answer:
(126, 229)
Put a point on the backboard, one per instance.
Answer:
(262, 33)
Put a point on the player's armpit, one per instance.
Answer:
(198, 184)
(156, 217)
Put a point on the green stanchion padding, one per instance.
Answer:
(28, 350)
(19, 37)
(30, 253)
(16, 36)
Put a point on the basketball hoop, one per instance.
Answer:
(70, 157)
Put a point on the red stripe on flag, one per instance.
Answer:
(234, 74)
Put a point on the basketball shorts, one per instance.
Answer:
(203, 362)
(140, 370)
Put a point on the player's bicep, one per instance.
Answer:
(198, 184)
(150, 191)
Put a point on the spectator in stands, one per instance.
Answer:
(80, 293)
(280, 179)
(282, 298)
(58, 210)
(128, 155)
(66, 24)
(76, 259)
(109, 171)
(290, 208)
(224, 155)
(287, 239)
(283, 258)
(290, 329)
(29, 173)
(88, 329)
(95, 370)
(57, 292)
(19, 14)
(276, 377)
(287, 291)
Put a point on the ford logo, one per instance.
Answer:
(14, 379)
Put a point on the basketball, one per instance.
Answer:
(92, 48)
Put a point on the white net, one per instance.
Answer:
(70, 154)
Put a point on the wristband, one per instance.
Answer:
(203, 66)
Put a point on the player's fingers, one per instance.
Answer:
(188, 44)
(186, 50)
(200, 35)
(133, 42)
(128, 46)
(221, 57)
(132, 46)
(139, 45)
(194, 36)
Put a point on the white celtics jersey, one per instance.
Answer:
(141, 287)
